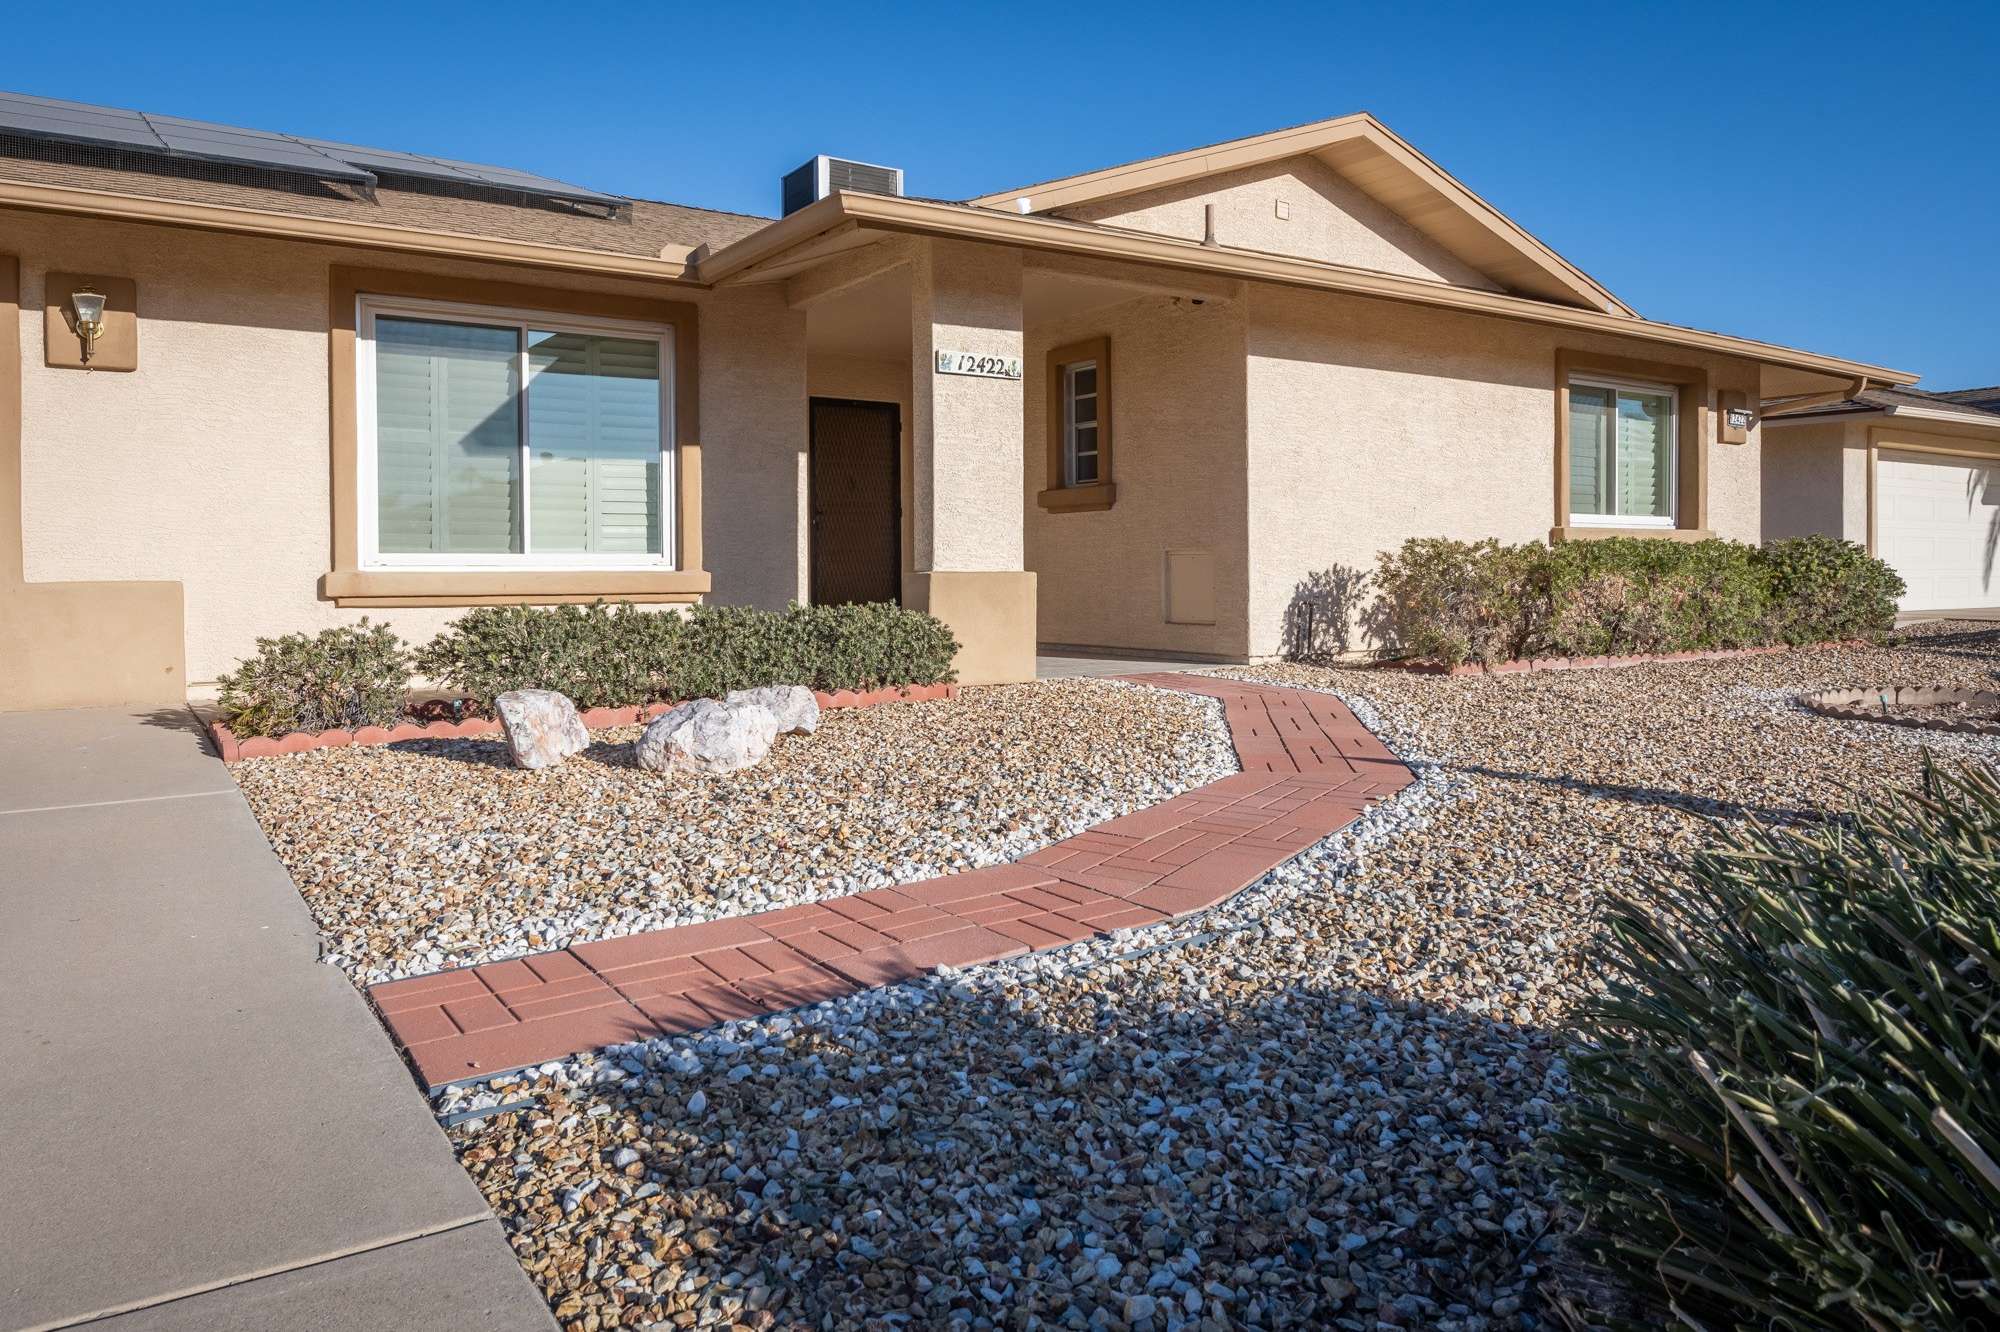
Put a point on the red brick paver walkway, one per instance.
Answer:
(1309, 769)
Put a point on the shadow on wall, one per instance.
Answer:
(1326, 608)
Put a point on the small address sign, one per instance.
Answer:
(985, 367)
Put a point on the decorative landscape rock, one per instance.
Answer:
(794, 706)
(707, 738)
(542, 727)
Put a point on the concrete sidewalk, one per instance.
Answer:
(201, 1126)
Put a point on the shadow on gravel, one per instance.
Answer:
(1156, 1133)
(1658, 796)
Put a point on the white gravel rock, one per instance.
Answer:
(541, 727)
(707, 738)
(794, 706)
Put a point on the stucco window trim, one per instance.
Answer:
(350, 582)
(1691, 384)
(1102, 493)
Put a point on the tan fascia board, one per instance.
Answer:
(1172, 168)
(1885, 413)
(672, 266)
(879, 212)
(1307, 140)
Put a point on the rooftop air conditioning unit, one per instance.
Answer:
(823, 175)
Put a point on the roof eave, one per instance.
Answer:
(672, 266)
(737, 262)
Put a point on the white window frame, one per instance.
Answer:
(1615, 385)
(1070, 423)
(368, 500)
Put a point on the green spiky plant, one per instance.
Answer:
(1789, 1113)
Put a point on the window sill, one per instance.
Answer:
(504, 587)
(1079, 499)
(1600, 533)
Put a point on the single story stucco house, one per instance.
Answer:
(1912, 475)
(1160, 407)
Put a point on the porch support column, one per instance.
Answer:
(967, 461)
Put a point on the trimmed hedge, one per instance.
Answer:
(1789, 1105)
(599, 655)
(605, 657)
(1455, 601)
(345, 677)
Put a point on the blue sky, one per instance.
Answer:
(1826, 176)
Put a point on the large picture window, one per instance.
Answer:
(501, 438)
(1623, 453)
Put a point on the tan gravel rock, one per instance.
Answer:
(429, 853)
(1320, 1105)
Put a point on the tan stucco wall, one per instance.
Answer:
(1369, 423)
(209, 464)
(965, 431)
(1330, 220)
(1816, 480)
(1177, 459)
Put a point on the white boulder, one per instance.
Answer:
(707, 737)
(541, 726)
(794, 706)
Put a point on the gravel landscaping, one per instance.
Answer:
(1319, 1105)
(431, 853)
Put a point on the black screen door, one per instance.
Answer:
(857, 508)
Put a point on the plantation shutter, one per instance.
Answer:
(1589, 444)
(447, 437)
(594, 433)
(1645, 453)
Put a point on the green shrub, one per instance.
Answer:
(1454, 601)
(597, 655)
(617, 657)
(1627, 595)
(1789, 1108)
(1823, 588)
(343, 677)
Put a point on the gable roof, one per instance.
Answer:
(1379, 163)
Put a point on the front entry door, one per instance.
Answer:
(857, 509)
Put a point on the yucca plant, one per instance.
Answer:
(1789, 1110)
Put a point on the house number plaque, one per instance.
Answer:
(985, 367)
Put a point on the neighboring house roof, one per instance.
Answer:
(1382, 165)
(1973, 406)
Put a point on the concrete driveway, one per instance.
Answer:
(201, 1126)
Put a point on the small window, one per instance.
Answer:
(1080, 425)
(1624, 451)
(490, 438)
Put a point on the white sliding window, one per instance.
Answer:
(496, 439)
(1623, 453)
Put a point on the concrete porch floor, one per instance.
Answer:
(204, 1127)
(1070, 666)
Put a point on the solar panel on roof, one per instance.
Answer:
(466, 173)
(323, 159)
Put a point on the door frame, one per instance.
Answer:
(895, 412)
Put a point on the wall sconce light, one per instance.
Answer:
(89, 307)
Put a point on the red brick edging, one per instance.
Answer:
(1309, 769)
(1521, 665)
(298, 742)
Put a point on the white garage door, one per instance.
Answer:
(1937, 521)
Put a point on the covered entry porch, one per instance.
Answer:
(1042, 450)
